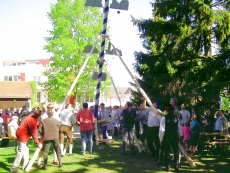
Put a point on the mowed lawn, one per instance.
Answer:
(107, 158)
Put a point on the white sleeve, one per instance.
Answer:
(107, 114)
(148, 109)
(73, 119)
(162, 129)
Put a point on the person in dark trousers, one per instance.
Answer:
(169, 131)
(153, 124)
(143, 118)
(49, 130)
(128, 130)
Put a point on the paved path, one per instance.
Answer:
(76, 132)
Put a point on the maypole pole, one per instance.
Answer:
(101, 57)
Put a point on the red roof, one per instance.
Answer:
(15, 89)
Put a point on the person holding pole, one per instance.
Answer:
(169, 132)
(68, 120)
(49, 130)
(44, 116)
(128, 130)
(143, 117)
(27, 128)
(153, 128)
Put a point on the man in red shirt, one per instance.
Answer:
(27, 128)
(86, 119)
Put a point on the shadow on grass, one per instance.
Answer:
(108, 159)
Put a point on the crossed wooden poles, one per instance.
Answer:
(190, 161)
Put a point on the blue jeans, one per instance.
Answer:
(88, 134)
(104, 132)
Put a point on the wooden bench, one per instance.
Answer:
(4, 142)
(216, 148)
(5, 137)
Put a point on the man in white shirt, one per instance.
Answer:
(67, 120)
(153, 128)
(185, 115)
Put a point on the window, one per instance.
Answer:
(16, 78)
(87, 99)
(11, 78)
(39, 97)
(6, 78)
(37, 78)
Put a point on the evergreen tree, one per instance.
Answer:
(187, 50)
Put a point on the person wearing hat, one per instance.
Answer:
(153, 128)
(12, 127)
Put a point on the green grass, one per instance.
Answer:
(107, 158)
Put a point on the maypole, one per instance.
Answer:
(101, 57)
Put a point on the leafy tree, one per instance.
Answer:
(187, 50)
(74, 27)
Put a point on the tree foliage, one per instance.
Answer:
(187, 50)
(74, 27)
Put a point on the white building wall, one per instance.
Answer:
(32, 72)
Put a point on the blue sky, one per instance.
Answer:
(24, 24)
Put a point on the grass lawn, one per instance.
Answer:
(107, 158)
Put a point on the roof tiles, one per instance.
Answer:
(15, 89)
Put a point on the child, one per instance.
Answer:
(195, 134)
(115, 125)
(186, 134)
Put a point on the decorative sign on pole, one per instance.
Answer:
(123, 5)
(110, 51)
(94, 3)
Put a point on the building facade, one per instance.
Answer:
(26, 70)
(31, 70)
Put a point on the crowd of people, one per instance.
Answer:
(158, 130)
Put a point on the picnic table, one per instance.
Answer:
(212, 144)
